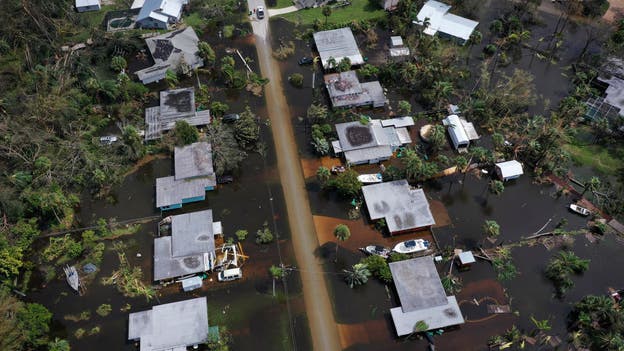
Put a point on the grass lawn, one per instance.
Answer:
(281, 4)
(601, 159)
(358, 10)
(195, 21)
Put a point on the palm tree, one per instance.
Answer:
(475, 39)
(496, 187)
(357, 275)
(276, 273)
(592, 185)
(342, 233)
(326, 12)
(322, 175)
(491, 228)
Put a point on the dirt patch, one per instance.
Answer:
(615, 11)
(362, 333)
(142, 162)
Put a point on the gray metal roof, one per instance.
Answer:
(170, 326)
(355, 135)
(169, 51)
(194, 160)
(170, 191)
(166, 266)
(406, 121)
(418, 284)
(436, 317)
(337, 43)
(402, 207)
(345, 90)
(191, 233)
(177, 102)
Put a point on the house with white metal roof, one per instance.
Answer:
(170, 327)
(158, 14)
(337, 44)
(422, 297)
(175, 105)
(397, 48)
(509, 170)
(190, 248)
(446, 24)
(346, 91)
(194, 175)
(460, 131)
(371, 142)
(404, 208)
(176, 51)
(88, 5)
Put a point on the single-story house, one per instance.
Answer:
(190, 248)
(305, 4)
(88, 5)
(422, 297)
(372, 142)
(509, 170)
(444, 23)
(610, 105)
(170, 327)
(345, 90)
(404, 208)
(175, 105)
(158, 14)
(176, 51)
(194, 175)
(337, 44)
(460, 131)
(389, 5)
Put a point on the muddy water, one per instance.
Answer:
(318, 305)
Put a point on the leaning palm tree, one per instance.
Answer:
(342, 233)
(357, 275)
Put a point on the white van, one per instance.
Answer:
(230, 274)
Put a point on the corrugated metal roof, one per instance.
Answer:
(402, 207)
(194, 160)
(170, 191)
(191, 233)
(510, 168)
(456, 130)
(398, 122)
(170, 326)
(436, 317)
(166, 266)
(418, 284)
(85, 3)
(337, 43)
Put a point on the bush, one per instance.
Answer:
(489, 50)
(296, 79)
(284, 51)
(264, 236)
(378, 266)
(104, 310)
(241, 234)
(218, 108)
(228, 31)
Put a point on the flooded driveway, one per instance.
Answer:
(319, 309)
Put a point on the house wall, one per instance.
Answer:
(411, 230)
(171, 207)
(88, 8)
(194, 199)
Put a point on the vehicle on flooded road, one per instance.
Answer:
(306, 61)
(260, 12)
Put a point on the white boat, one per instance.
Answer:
(412, 246)
(370, 178)
(376, 250)
(72, 277)
(580, 210)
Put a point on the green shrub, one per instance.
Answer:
(264, 236)
(296, 79)
(241, 234)
(104, 310)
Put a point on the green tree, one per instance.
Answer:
(491, 228)
(133, 147)
(11, 335)
(118, 63)
(344, 65)
(34, 321)
(185, 133)
(59, 345)
(347, 183)
(592, 186)
(322, 175)
(317, 112)
(437, 137)
(246, 129)
(226, 154)
(171, 78)
(326, 12)
(561, 267)
(206, 53)
(357, 275)
(218, 108)
(496, 187)
(405, 108)
(596, 323)
(264, 236)
(296, 79)
(342, 233)
(378, 267)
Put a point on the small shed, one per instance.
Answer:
(88, 5)
(192, 283)
(456, 132)
(465, 259)
(397, 48)
(509, 170)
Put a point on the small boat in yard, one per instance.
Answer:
(72, 277)
(412, 246)
(580, 210)
(376, 250)
(370, 178)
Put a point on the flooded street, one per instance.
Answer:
(305, 243)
